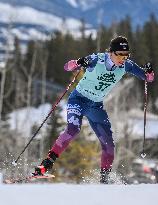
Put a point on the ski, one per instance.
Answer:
(28, 179)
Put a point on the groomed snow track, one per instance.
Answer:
(69, 194)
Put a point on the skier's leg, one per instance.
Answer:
(74, 121)
(99, 122)
(72, 129)
(104, 135)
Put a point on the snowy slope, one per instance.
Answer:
(29, 23)
(37, 19)
(49, 14)
(28, 15)
(67, 194)
(89, 8)
(23, 119)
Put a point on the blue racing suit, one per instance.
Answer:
(87, 100)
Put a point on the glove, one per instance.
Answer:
(148, 68)
(83, 62)
(71, 65)
(149, 72)
(75, 64)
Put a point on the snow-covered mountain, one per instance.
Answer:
(139, 10)
(28, 23)
(35, 19)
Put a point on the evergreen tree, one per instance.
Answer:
(151, 37)
(14, 82)
(56, 59)
(55, 125)
(140, 48)
(125, 29)
(105, 38)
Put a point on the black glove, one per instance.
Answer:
(83, 62)
(148, 68)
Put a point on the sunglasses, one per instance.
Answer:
(122, 55)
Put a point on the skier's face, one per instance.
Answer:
(119, 57)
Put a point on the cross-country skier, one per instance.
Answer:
(102, 72)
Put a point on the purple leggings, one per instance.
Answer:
(79, 106)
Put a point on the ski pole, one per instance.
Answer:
(143, 154)
(51, 111)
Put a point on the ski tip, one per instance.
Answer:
(7, 181)
(28, 179)
(45, 176)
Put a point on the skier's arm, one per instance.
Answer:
(83, 62)
(142, 73)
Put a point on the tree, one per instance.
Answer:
(55, 125)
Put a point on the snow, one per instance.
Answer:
(84, 4)
(70, 194)
(151, 128)
(23, 119)
(31, 33)
(136, 122)
(139, 114)
(73, 3)
(30, 15)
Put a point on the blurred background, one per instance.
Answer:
(37, 37)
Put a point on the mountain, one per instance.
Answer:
(27, 22)
(139, 10)
(36, 19)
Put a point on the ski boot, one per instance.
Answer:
(46, 164)
(104, 176)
